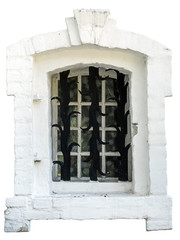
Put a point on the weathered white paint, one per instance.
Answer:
(91, 38)
(155, 209)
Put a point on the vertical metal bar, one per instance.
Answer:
(79, 129)
(129, 131)
(103, 125)
(54, 105)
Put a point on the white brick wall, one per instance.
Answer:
(29, 66)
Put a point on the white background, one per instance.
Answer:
(157, 19)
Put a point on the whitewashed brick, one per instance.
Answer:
(23, 183)
(90, 24)
(156, 127)
(23, 101)
(19, 62)
(22, 141)
(17, 50)
(108, 33)
(21, 89)
(157, 139)
(157, 168)
(24, 165)
(23, 151)
(13, 76)
(156, 112)
(158, 153)
(23, 114)
(16, 202)
(73, 31)
(27, 75)
(42, 203)
(28, 45)
(17, 226)
(50, 41)
(41, 214)
(156, 224)
(21, 49)
(161, 80)
(13, 214)
(23, 129)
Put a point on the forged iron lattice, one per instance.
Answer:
(93, 110)
(66, 120)
(120, 96)
(119, 123)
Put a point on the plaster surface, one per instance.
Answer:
(91, 38)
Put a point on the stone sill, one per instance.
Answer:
(91, 187)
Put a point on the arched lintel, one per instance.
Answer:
(94, 28)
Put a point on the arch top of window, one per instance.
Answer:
(80, 69)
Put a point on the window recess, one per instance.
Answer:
(91, 125)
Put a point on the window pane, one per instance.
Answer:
(59, 140)
(72, 138)
(112, 166)
(85, 89)
(110, 89)
(86, 165)
(110, 138)
(85, 137)
(85, 116)
(73, 89)
(110, 118)
(74, 118)
(73, 166)
(61, 159)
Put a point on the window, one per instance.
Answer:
(91, 125)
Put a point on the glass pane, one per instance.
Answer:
(73, 166)
(59, 141)
(74, 118)
(109, 89)
(73, 89)
(110, 138)
(85, 89)
(85, 116)
(110, 118)
(85, 137)
(72, 138)
(60, 158)
(86, 165)
(112, 166)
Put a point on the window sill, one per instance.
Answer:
(91, 187)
